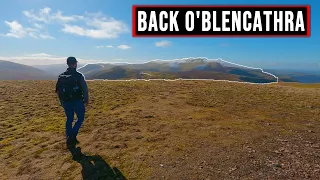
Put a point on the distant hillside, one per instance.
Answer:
(91, 69)
(15, 71)
(297, 76)
(116, 73)
(54, 69)
(191, 68)
(286, 79)
(207, 75)
(307, 78)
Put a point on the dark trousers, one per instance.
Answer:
(71, 108)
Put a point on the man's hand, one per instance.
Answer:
(59, 100)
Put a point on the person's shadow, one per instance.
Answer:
(94, 167)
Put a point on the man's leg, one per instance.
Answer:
(69, 111)
(80, 111)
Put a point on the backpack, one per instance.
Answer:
(69, 87)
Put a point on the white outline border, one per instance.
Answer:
(182, 60)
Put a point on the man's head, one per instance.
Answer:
(72, 62)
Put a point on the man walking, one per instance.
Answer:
(72, 91)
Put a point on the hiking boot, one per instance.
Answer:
(77, 155)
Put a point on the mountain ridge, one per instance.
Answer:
(199, 68)
(188, 68)
(15, 71)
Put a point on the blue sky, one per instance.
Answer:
(47, 31)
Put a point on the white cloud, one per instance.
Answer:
(98, 28)
(35, 60)
(18, 31)
(163, 43)
(45, 16)
(46, 36)
(38, 26)
(96, 25)
(44, 59)
(92, 25)
(74, 30)
(118, 59)
(65, 19)
(124, 47)
(101, 46)
(39, 55)
(42, 17)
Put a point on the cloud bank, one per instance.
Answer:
(43, 59)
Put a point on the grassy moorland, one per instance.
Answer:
(164, 130)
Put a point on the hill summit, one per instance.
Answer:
(187, 68)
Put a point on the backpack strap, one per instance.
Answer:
(78, 76)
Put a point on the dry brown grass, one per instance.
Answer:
(170, 130)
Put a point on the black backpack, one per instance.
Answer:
(69, 87)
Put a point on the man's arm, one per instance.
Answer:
(57, 86)
(85, 89)
(56, 91)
